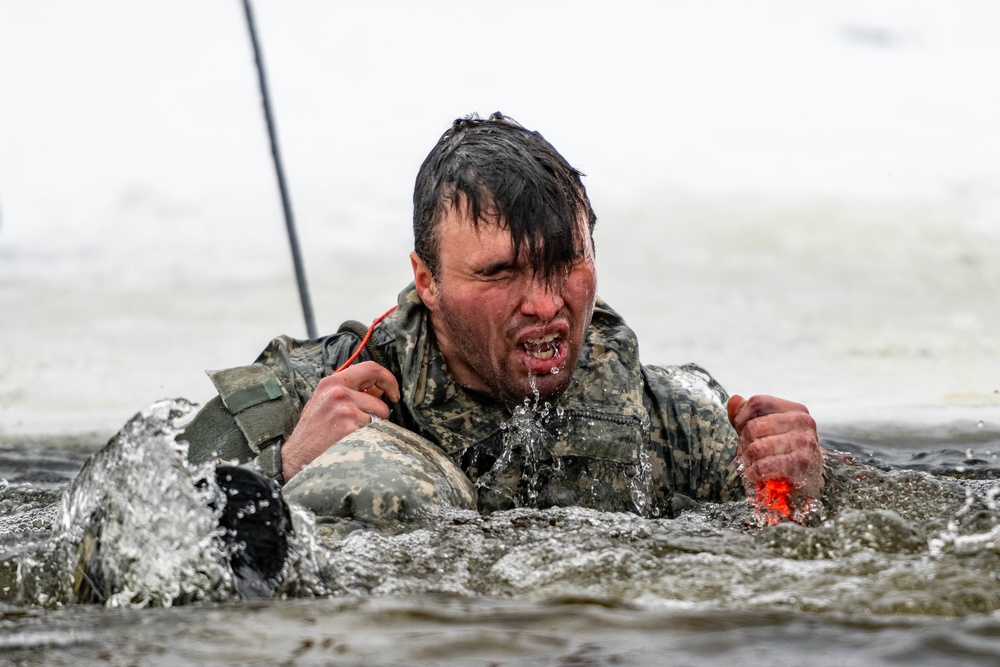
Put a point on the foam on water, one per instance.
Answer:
(868, 560)
(893, 541)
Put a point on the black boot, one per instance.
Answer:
(257, 524)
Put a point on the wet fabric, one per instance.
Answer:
(623, 437)
(381, 472)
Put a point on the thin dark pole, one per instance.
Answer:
(300, 275)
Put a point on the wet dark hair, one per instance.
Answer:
(506, 175)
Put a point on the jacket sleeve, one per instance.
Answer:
(693, 445)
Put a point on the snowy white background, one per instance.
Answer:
(802, 197)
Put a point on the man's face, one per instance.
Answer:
(498, 326)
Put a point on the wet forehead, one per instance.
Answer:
(465, 243)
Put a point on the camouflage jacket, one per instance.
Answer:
(623, 437)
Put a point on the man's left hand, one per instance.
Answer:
(777, 438)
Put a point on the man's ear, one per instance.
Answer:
(424, 281)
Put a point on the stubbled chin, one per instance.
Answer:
(550, 387)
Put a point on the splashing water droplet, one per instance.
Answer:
(527, 448)
(533, 381)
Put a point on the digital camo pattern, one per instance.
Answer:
(623, 437)
(381, 472)
(693, 445)
(587, 450)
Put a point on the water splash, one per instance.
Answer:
(139, 527)
(641, 485)
(539, 463)
(527, 451)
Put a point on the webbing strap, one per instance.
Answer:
(253, 395)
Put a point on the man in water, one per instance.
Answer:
(501, 357)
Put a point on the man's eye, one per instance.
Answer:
(496, 272)
(499, 274)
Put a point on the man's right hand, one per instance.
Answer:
(342, 403)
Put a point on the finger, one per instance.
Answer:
(777, 424)
(387, 385)
(369, 405)
(363, 419)
(371, 377)
(779, 445)
(373, 391)
(758, 406)
(798, 458)
(339, 400)
(795, 465)
(733, 407)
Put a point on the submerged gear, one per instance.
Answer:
(623, 437)
(381, 472)
(255, 525)
(139, 526)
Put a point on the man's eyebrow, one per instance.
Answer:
(494, 268)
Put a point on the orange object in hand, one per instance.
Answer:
(771, 502)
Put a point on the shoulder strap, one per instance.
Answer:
(360, 330)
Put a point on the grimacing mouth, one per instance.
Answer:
(544, 347)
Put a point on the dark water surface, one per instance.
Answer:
(904, 569)
(455, 630)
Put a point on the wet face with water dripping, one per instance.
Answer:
(503, 330)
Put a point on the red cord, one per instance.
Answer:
(364, 341)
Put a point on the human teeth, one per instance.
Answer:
(541, 348)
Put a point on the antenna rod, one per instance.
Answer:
(293, 240)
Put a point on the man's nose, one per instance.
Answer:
(542, 300)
